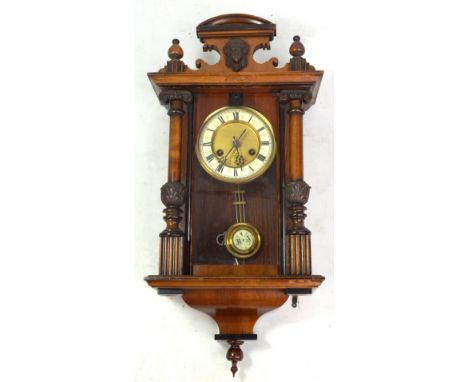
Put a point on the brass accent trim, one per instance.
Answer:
(241, 254)
(257, 174)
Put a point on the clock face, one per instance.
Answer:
(236, 144)
(242, 240)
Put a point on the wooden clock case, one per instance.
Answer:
(197, 205)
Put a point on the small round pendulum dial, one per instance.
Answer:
(236, 144)
(242, 240)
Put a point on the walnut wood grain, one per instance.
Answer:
(235, 310)
(235, 23)
(296, 159)
(236, 295)
(175, 141)
(175, 100)
(212, 211)
(278, 79)
(173, 193)
(239, 270)
(192, 282)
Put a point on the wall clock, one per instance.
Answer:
(235, 244)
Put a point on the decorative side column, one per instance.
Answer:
(298, 244)
(173, 193)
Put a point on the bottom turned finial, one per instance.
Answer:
(234, 354)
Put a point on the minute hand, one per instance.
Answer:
(240, 136)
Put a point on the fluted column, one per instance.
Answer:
(173, 193)
(298, 259)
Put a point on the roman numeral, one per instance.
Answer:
(235, 172)
(250, 118)
(221, 118)
(236, 115)
(261, 128)
(261, 157)
(251, 168)
(265, 143)
(206, 143)
(210, 157)
(210, 129)
(220, 167)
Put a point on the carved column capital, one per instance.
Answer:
(175, 99)
(169, 95)
(295, 98)
(305, 96)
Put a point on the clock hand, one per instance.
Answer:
(240, 136)
(240, 159)
(236, 141)
(232, 148)
(235, 144)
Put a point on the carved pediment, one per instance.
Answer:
(236, 37)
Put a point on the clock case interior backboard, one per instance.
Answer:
(212, 211)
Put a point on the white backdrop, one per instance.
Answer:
(68, 293)
(175, 342)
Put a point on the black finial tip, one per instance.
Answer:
(296, 38)
(175, 41)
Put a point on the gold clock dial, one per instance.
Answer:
(236, 144)
(242, 240)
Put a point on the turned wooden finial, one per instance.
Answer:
(175, 51)
(234, 354)
(297, 48)
(297, 62)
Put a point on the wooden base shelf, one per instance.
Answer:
(235, 282)
(235, 302)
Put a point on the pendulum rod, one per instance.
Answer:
(239, 205)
